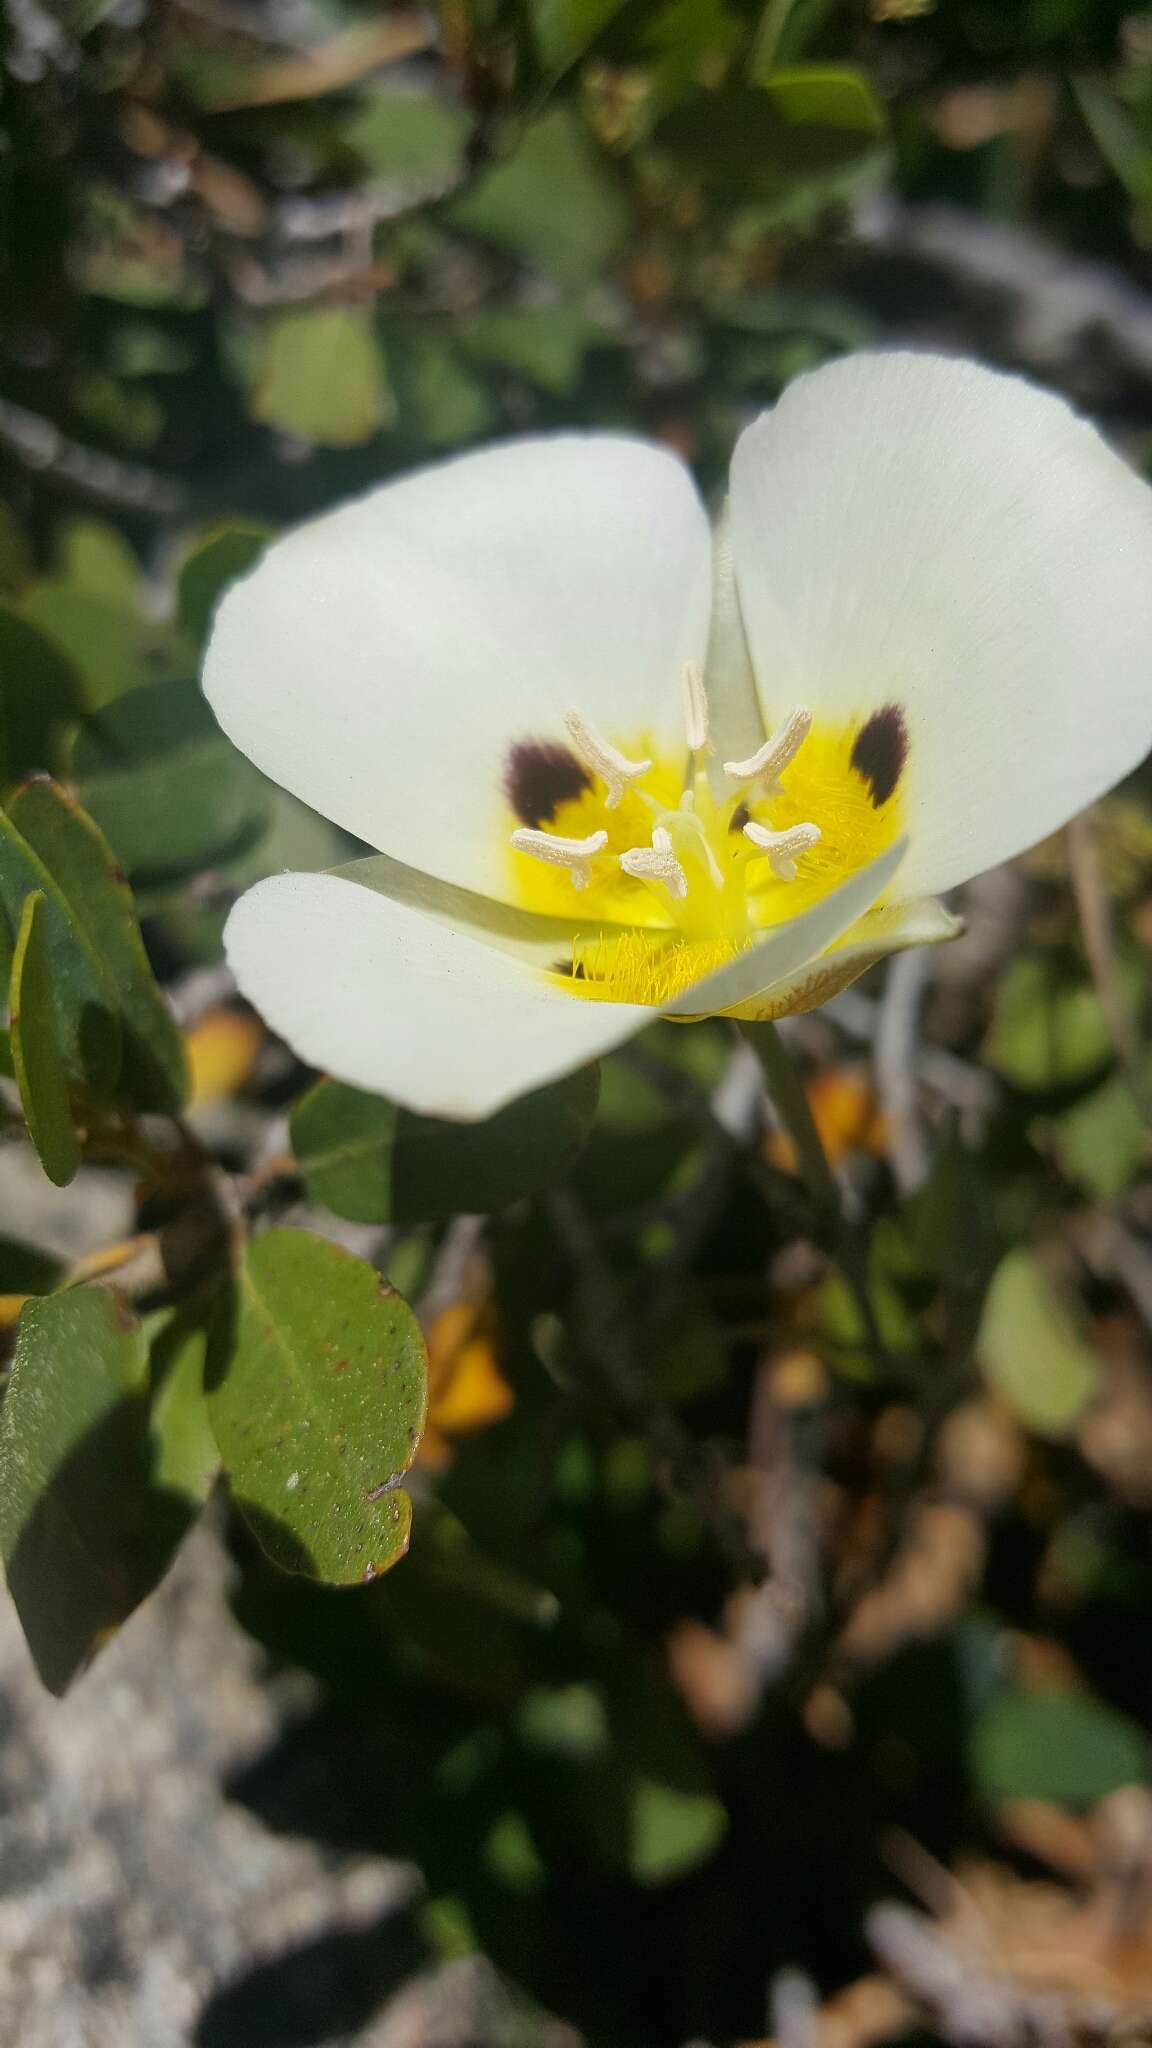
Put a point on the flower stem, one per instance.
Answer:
(848, 1248)
(791, 1099)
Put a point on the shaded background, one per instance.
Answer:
(773, 1674)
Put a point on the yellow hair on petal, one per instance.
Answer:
(643, 967)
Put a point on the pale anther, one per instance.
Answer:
(782, 848)
(656, 863)
(573, 854)
(778, 750)
(695, 708)
(605, 760)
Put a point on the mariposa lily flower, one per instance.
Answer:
(618, 766)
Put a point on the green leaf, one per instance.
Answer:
(564, 28)
(76, 855)
(1102, 1141)
(546, 344)
(415, 139)
(1057, 1745)
(370, 1161)
(320, 377)
(96, 558)
(185, 1456)
(168, 790)
(36, 1054)
(1048, 1031)
(83, 987)
(446, 401)
(1031, 1349)
(73, 1468)
(551, 202)
(100, 637)
(216, 559)
(756, 142)
(671, 1830)
(825, 96)
(317, 1400)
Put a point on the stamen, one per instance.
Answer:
(773, 757)
(573, 854)
(695, 709)
(656, 863)
(605, 760)
(782, 847)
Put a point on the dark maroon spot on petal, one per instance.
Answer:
(740, 817)
(573, 969)
(539, 777)
(880, 751)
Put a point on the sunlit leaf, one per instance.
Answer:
(1103, 1139)
(416, 138)
(1031, 1349)
(825, 96)
(321, 377)
(317, 1398)
(185, 1457)
(551, 201)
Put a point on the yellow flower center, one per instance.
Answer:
(669, 867)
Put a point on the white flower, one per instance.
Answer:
(616, 767)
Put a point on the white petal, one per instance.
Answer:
(919, 922)
(791, 946)
(392, 1000)
(914, 531)
(381, 661)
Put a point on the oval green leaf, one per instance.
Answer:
(80, 861)
(1031, 1349)
(214, 561)
(317, 1397)
(1057, 1745)
(83, 985)
(36, 1055)
(366, 1159)
(321, 377)
(73, 1475)
(163, 783)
